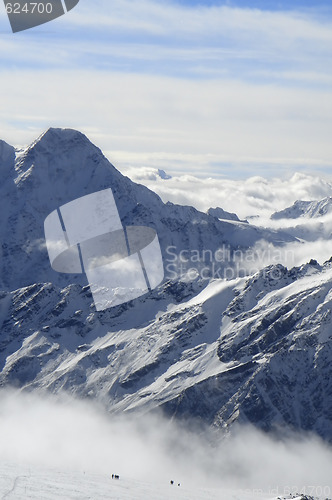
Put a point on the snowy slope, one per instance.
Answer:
(252, 350)
(23, 482)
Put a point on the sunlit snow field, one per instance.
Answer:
(22, 482)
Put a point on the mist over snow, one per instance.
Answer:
(71, 435)
(250, 197)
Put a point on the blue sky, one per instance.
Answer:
(261, 4)
(233, 88)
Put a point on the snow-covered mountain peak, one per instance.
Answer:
(56, 138)
(63, 165)
(163, 175)
(59, 156)
(220, 213)
(305, 209)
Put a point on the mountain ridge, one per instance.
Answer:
(62, 165)
(309, 209)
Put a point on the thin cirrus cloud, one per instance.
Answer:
(163, 79)
(149, 31)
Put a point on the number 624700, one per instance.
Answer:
(29, 8)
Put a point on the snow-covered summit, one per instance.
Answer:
(62, 165)
(163, 175)
(220, 213)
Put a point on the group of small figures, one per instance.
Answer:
(115, 476)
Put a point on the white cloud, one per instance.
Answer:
(254, 196)
(143, 114)
(257, 197)
(71, 435)
(290, 255)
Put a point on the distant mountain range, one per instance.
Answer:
(310, 209)
(252, 349)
